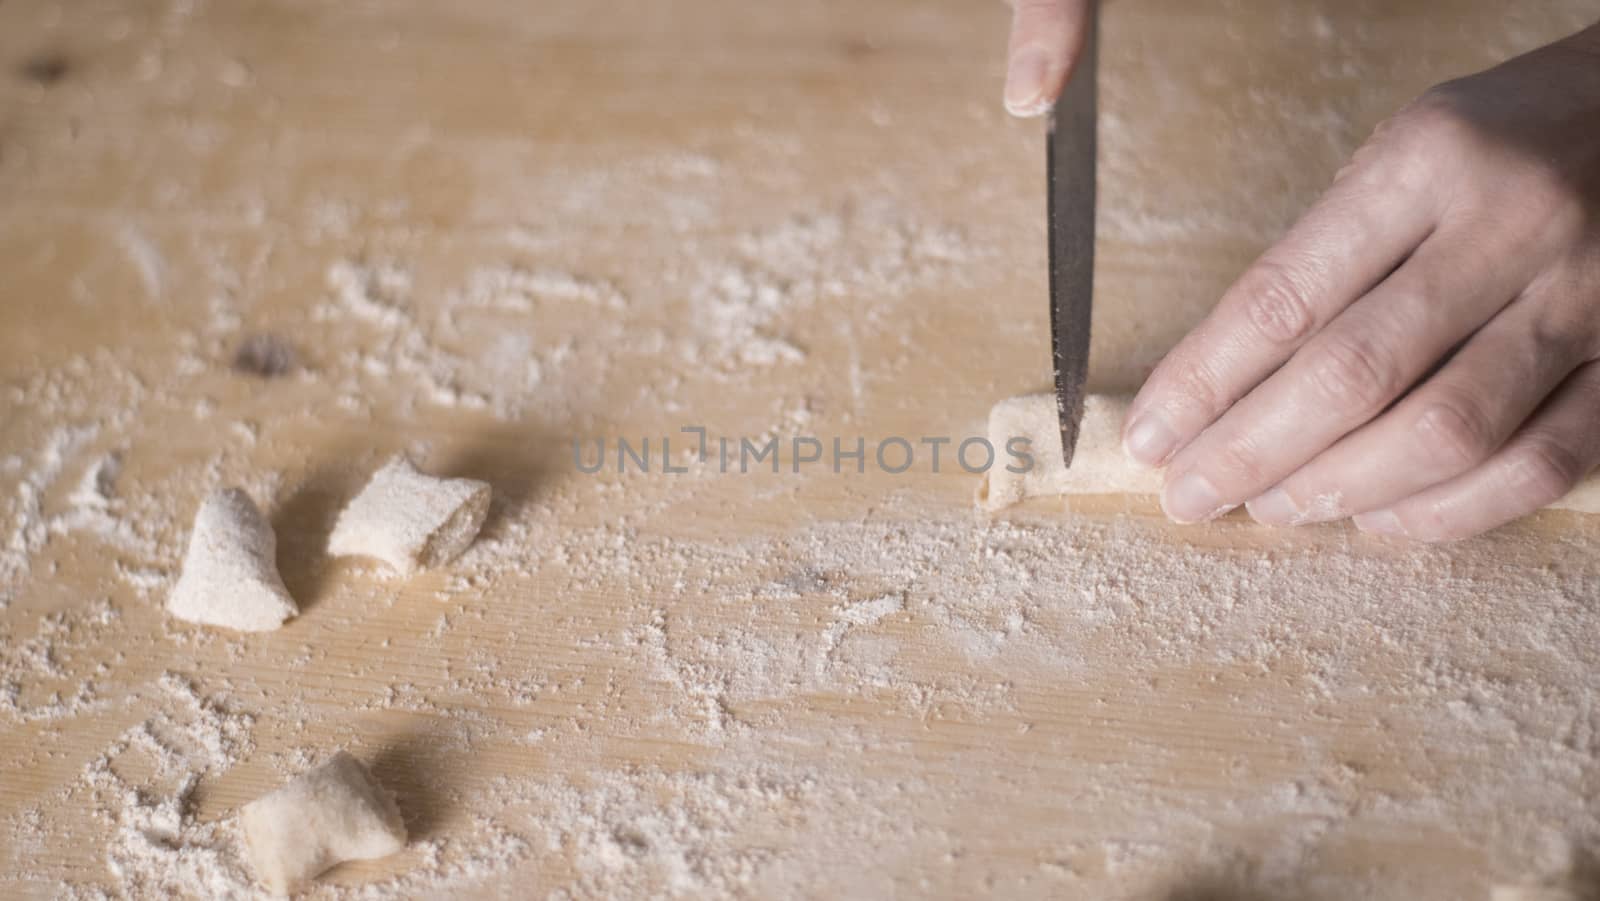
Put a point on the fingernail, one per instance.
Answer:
(1381, 522)
(1274, 508)
(1149, 440)
(1192, 499)
(1025, 83)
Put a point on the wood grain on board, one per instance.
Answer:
(176, 178)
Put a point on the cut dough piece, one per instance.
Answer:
(1099, 465)
(1537, 893)
(230, 574)
(410, 520)
(1583, 499)
(334, 813)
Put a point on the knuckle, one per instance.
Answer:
(1352, 374)
(1277, 304)
(1565, 333)
(1406, 150)
(1240, 460)
(1190, 385)
(1457, 433)
(1544, 470)
(1438, 114)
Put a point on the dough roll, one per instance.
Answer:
(1099, 465)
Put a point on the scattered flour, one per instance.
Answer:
(29, 527)
(375, 292)
(157, 846)
(748, 647)
(865, 707)
(740, 304)
(518, 290)
(47, 675)
(145, 258)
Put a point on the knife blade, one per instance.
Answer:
(1070, 176)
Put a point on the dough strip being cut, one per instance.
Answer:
(1100, 466)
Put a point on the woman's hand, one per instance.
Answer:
(1046, 36)
(1420, 350)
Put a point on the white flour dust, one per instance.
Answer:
(651, 687)
(739, 303)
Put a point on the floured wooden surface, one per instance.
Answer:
(272, 246)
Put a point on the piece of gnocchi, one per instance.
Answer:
(1029, 424)
(410, 520)
(230, 572)
(324, 817)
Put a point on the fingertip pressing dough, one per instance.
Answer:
(230, 574)
(410, 520)
(1099, 464)
(334, 813)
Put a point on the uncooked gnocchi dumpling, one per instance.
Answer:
(230, 574)
(410, 520)
(1098, 466)
(334, 813)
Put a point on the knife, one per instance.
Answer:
(1070, 172)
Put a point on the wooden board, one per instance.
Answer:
(765, 220)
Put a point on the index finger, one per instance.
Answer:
(1046, 38)
(1361, 229)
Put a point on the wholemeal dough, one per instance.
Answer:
(1583, 499)
(230, 574)
(334, 813)
(1563, 892)
(410, 520)
(1099, 465)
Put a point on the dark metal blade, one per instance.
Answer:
(1070, 170)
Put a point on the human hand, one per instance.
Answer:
(1420, 350)
(1046, 38)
